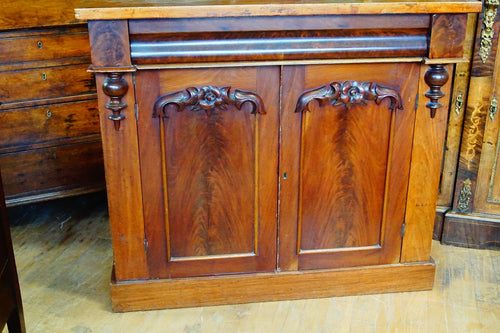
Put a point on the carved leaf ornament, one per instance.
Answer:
(208, 99)
(349, 93)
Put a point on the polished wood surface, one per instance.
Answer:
(371, 165)
(252, 46)
(237, 289)
(63, 254)
(474, 219)
(217, 171)
(448, 36)
(277, 23)
(22, 14)
(191, 141)
(97, 10)
(41, 45)
(123, 187)
(487, 196)
(36, 171)
(111, 38)
(427, 153)
(44, 83)
(38, 127)
(454, 129)
(47, 104)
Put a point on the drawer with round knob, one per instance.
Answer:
(41, 45)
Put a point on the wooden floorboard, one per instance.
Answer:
(64, 256)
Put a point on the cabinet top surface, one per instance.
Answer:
(144, 9)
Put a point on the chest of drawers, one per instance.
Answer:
(50, 145)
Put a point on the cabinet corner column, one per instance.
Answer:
(111, 63)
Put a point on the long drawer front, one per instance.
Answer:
(43, 45)
(51, 171)
(29, 128)
(17, 87)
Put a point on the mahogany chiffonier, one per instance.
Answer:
(50, 145)
(272, 150)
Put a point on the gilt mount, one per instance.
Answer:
(488, 31)
(207, 98)
(349, 93)
(435, 77)
(115, 86)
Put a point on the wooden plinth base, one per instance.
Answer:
(249, 288)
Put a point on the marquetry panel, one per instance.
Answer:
(487, 196)
(353, 145)
(210, 169)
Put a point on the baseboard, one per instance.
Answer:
(471, 230)
(439, 222)
(250, 288)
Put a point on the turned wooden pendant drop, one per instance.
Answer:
(435, 77)
(115, 86)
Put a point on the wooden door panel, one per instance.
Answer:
(210, 159)
(351, 127)
(336, 166)
(208, 145)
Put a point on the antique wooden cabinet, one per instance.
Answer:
(50, 144)
(265, 151)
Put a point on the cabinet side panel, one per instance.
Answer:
(427, 154)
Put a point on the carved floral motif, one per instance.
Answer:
(208, 99)
(349, 93)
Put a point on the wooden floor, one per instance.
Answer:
(63, 253)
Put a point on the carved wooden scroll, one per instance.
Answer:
(349, 93)
(207, 98)
(115, 86)
(435, 77)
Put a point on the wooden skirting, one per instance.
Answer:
(439, 221)
(471, 230)
(237, 289)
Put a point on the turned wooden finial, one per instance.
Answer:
(115, 86)
(435, 77)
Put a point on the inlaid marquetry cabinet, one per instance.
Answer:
(272, 151)
(50, 144)
(469, 198)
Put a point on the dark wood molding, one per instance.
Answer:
(476, 231)
(349, 93)
(207, 98)
(115, 87)
(435, 77)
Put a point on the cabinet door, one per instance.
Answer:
(346, 138)
(208, 141)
